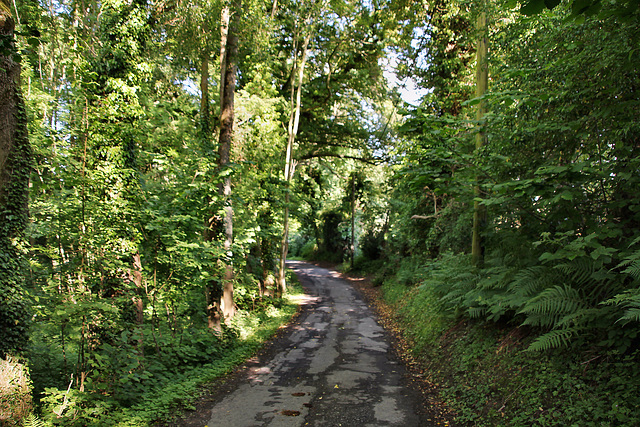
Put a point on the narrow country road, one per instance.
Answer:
(333, 368)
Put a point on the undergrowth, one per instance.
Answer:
(488, 375)
(175, 389)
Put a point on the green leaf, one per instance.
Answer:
(604, 252)
(566, 195)
(580, 6)
(533, 7)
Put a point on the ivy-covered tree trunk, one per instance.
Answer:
(224, 151)
(114, 116)
(15, 161)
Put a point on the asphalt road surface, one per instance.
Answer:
(334, 367)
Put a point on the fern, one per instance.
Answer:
(559, 300)
(453, 280)
(632, 264)
(496, 278)
(540, 320)
(528, 283)
(595, 281)
(580, 318)
(552, 339)
(579, 271)
(458, 289)
(477, 312)
(33, 421)
(629, 299)
(630, 296)
(563, 296)
(632, 314)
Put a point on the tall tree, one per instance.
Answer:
(295, 102)
(212, 295)
(224, 149)
(115, 109)
(332, 79)
(15, 168)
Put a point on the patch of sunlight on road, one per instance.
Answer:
(302, 299)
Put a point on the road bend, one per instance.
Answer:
(334, 367)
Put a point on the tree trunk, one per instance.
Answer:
(224, 151)
(289, 167)
(15, 168)
(211, 292)
(138, 299)
(482, 75)
(353, 219)
(224, 35)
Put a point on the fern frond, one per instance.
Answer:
(453, 296)
(631, 262)
(630, 299)
(541, 320)
(33, 421)
(631, 315)
(580, 270)
(533, 280)
(633, 269)
(579, 317)
(554, 301)
(552, 339)
(454, 284)
(477, 312)
(496, 278)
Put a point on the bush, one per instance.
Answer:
(309, 249)
(296, 243)
(371, 245)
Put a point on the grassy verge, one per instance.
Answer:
(482, 372)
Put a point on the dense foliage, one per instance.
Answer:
(141, 221)
(122, 272)
(557, 177)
